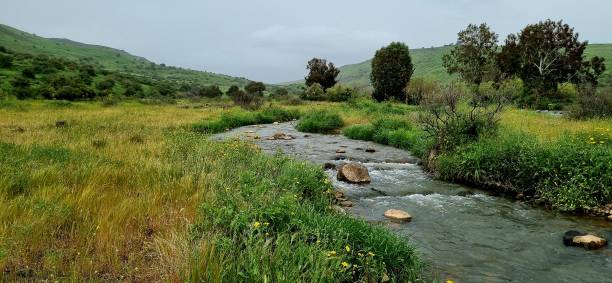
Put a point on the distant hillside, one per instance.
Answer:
(107, 58)
(428, 62)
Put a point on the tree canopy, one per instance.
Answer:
(322, 73)
(391, 71)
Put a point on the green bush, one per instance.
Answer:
(591, 103)
(574, 173)
(320, 122)
(314, 92)
(230, 120)
(339, 93)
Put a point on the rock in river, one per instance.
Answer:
(354, 173)
(579, 239)
(397, 214)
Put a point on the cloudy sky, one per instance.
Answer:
(271, 40)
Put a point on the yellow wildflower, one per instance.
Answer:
(359, 254)
(450, 281)
(345, 264)
(267, 224)
(332, 253)
(371, 254)
(256, 224)
(347, 248)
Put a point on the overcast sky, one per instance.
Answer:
(271, 40)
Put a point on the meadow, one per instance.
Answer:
(131, 192)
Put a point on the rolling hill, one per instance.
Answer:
(428, 62)
(107, 58)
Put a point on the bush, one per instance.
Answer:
(314, 92)
(211, 91)
(230, 120)
(320, 122)
(6, 61)
(279, 93)
(591, 104)
(418, 88)
(339, 93)
(247, 100)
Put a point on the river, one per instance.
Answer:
(464, 234)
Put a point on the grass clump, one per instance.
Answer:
(391, 131)
(272, 220)
(320, 121)
(571, 174)
(235, 119)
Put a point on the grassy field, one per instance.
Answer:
(108, 58)
(130, 192)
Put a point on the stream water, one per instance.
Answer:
(464, 234)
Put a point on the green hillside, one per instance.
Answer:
(428, 62)
(107, 58)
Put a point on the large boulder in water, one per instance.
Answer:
(354, 173)
(579, 239)
(397, 214)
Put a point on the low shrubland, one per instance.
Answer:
(234, 119)
(320, 121)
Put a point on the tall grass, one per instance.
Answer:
(320, 121)
(234, 119)
(125, 194)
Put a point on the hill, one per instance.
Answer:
(107, 58)
(428, 62)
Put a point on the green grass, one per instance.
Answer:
(125, 193)
(108, 58)
(320, 121)
(238, 118)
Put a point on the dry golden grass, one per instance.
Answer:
(113, 211)
(547, 127)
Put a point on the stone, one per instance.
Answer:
(580, 239)
(282, 136)
(609, 218)
(338, 194)
(339, 157)
(520, 196)
(354, 173)
(369, 149)
(250, 132)
(275, 123)
(340, 151)
(346, 203)
(397, 214)
(329, 165)
(61, 123)
(306, 136)
(339, 209)
(343, 146)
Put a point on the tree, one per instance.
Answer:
(474, 55)
(211, 91)
(255, 88)
(391, 71)
(232, 90)
(6, 61)
(322, 73)
(314, 92)
(546, 54)
(280, 92)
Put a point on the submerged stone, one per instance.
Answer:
(397, 214)
(580, 239)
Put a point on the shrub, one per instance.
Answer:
(320, 122)
(247, 100)
(391, 71)
(339, 93)
(418, 88)
(591, 104)
(6, 61)
(279, 93)
(314, 92)
(211, 91)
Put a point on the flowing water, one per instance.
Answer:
(464, 234)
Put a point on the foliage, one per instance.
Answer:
(339, 93)
(314, 92)
(591, 103)
(319, 121)
(453, 118)
(546, 54)
(234, 119)
(571, 174)
(391, 131)
(255, 88)
(6, 60)
(279, 93)
(212, 91)
(247, 100)
(232, 90)
(420, 87)
(473, 57)
(322, 73)
(391, 71)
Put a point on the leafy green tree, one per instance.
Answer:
(391, 71)
(21, 87)
(546, 54)
(314, 92)
(232, 90)
(28, 73)
(280, 92)
(211, 91)
(474, 55)
(106, 84)
(255, 88)
(6, 61)
(322, 73)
